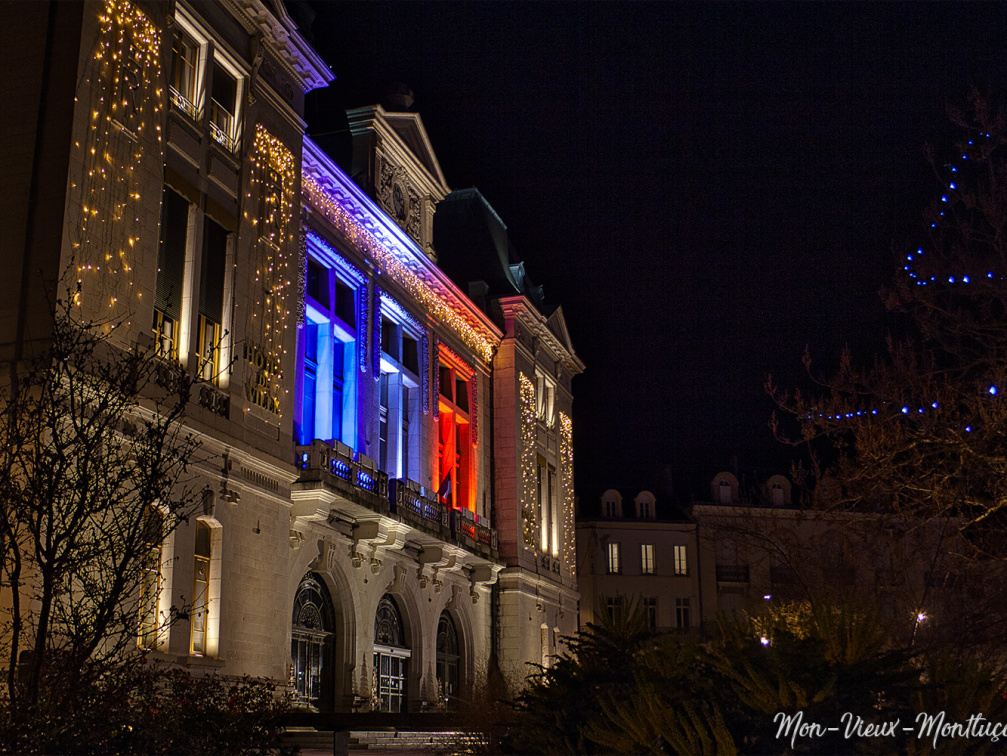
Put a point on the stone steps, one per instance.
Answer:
(386, 740)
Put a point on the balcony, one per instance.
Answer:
(364, 488)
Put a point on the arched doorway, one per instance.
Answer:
(391, 657)
(448, 661)
(311, 642)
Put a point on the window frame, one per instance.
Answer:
(403, 391)
(648, 563)
(613, 559)
(330, 327)
(681, 560)
(192, 106)
(455, 442)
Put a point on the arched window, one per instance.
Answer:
(391, 657)
(311, 643)
(448, 657)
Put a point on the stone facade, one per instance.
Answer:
(386, 467)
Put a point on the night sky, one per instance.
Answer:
(705, 188)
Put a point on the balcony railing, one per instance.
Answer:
(404, 498)
(339, 461)
(182, 102)
(407, 499)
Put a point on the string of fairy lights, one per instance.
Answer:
(419, 290)
(123, 134)
(274, 176)
(566, 460)
(957, 278)
(949, 280)
(526, 397)
(896, 410)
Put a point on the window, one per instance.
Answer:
(311, 643)
(201, 589)
(777, 494)
(391, 657)
(681, 561)
(545, 399)
(613, 606)
(185, 72)
(170, 272)
(211, 299)
(547, 505)
(224, 107)
(327, 351)
(400, 393)
(454, 443)
(645, 510)
(150, 579)
(650, 612)
(647, 558)
(383, 422)
(610, 509)
(726, 496)
(448, 657)
(613, 558)
(682, 613)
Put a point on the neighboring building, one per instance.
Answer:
(388, 476)
(627, 554)
(744, 549)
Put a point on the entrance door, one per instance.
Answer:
(311, 644)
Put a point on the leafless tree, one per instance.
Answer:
(94, 474)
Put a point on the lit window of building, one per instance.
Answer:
(150, 579)
(211, 299)
(399, 392)
(545, 399)
(647, 558)
(328, 408)
(186, 71)
(614, 566)
(681, 561)
(225, 105)
(454, 444)
(548, 507)
(201, 588)
(170, 273)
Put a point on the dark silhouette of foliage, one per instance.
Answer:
(634, 692)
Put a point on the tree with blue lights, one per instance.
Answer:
(921, 433)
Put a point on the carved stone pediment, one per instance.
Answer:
(398, 196)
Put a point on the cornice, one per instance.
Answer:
(520, 308)
(279, 31)
(330, 192)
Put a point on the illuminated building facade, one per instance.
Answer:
(386, 459)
